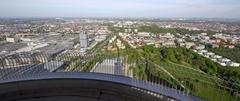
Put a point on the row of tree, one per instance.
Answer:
(156, 29)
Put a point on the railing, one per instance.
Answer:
(143, 74)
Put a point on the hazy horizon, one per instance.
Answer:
(121, 8)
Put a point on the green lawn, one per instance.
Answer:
(200, 84)
(197, 82)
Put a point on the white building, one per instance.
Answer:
(100, 38)
(8, 39)
(112, 39)
(233, 64)
(223, 64)
(189, 44)
(143, 34)
(168, 36)
(169, 44)
(135, 30)
(203, 33)
(83, 38)
(200, 47)
(26, 39)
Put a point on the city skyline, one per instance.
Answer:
(123, 8)
(127, 59)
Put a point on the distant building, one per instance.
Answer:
(136, 30)
(204, 34)
(200, 47)
(119, 44)
(233, 64)
(225, 60)
(169, 44)
(26, 39)
(189, 44)
(100, 38)
(144, 34)
(83, 38)
(112, 39)
(223, 64)
(168, 36)
(214, 45)
(157, 45)
(231, 46)
(13, 40)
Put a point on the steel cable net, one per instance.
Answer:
(157, 78)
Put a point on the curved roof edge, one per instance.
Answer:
(165, 91)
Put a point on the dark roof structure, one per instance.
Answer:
(85, 87)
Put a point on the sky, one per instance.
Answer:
(121, 8)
